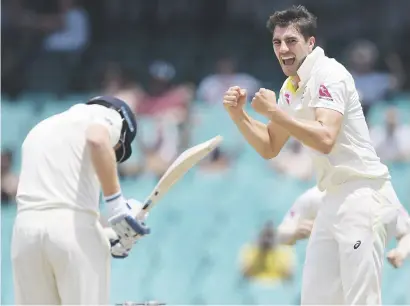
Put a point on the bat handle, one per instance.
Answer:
(147, 205)
(148, 201)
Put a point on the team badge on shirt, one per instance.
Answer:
(287, 97)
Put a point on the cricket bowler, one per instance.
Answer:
(60, 252)
(319, 105)
(298, 222)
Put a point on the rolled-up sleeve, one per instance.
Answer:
(112, 120)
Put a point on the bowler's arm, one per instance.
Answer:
(319, 134)
(329, 106)
(287, 229)
(403, 245)
(266, 139)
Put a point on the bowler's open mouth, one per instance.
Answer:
(287, 61)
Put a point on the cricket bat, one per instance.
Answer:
(188, 159)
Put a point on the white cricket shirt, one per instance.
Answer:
(56, 168)
(307, 205)
(325, 83)
(403, 223)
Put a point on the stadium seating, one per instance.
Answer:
(191, 257)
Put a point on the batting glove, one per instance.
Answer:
(117, 249)
(128, 223)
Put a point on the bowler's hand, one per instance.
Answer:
(234, 100)
(395, 257)
(264, 102)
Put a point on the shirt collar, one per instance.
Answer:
(305, 69)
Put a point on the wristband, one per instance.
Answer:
(116, 203)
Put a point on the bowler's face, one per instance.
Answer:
(291, 48)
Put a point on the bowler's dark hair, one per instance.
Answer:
(299, 16)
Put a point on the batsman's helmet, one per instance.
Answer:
(129, 125)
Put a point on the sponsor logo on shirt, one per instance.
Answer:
(109, 121)
(357, 244)
(324, 93)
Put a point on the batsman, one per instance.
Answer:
(60, 252)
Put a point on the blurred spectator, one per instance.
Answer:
(162, 96)
(266, 261)
(70, 28)
(9, 181)
(159, 146)
(119, 82)
(66, 36)
(167, 145)
(212, 88)
(392, 140)
(294, 160)
(168, 106)
(21, 39)
(373, 86)
(218, 161)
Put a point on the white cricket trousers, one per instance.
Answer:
(345, 252)
(60, 257)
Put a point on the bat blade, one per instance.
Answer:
(188, 159)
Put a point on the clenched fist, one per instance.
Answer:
(234, 100)
(395, 257)
(264, 102)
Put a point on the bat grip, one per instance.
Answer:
(147, 205)
(148, 202)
